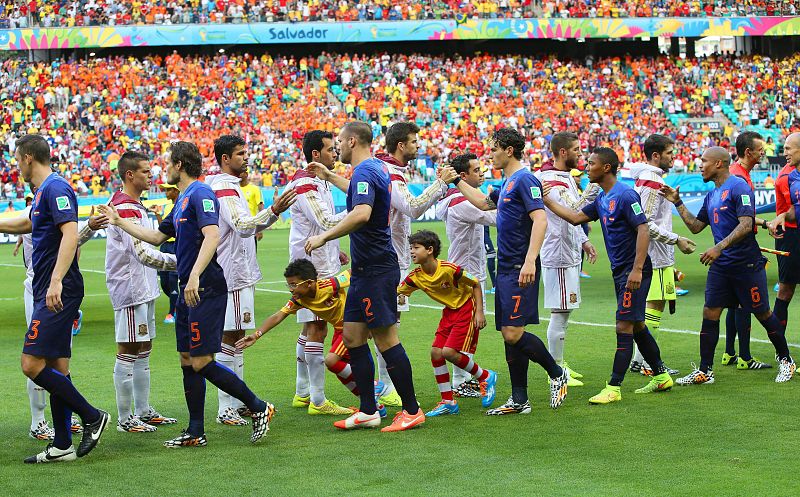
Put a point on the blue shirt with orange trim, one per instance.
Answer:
(449, 285)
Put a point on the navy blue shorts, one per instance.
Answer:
(744, 286)
(631, 303)
(372, 299)
(50, 333)
(513, 305)
(198, 330)
(789, 267)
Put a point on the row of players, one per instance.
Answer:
(523, 226)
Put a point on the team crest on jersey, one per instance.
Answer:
(573, 298)
(247, 317)
(208, 205)
(446, 285)
(362, 188)
(724, 195)
(536, 192)
(636, 208)
(62, 203)
(142, 330)
(330, 302)
(510, 186)
(38, 197)
(611, 204)
(746, 200)
(184, 203)
(670, 288)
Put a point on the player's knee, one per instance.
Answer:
(786, 291)
(451, 355)
(31, 367)
(129, 348)
(146, 347)
(624, 327)
(712, 314)
(511, 335)
(331, 359)
(230, 337)
(763, 316)
(436, 354)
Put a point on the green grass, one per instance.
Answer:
(736, 437)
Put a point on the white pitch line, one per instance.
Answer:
(82, 270)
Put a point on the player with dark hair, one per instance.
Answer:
(626, 236)
(200, 313)
(521, 226)
(737, 275)
(57, 295)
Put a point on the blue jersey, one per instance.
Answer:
(794, 190)
(53, 205)
(620, 214)
(518, 196)
(196, 208)
(722, 208)
(371, 245)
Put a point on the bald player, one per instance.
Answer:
(736, 275)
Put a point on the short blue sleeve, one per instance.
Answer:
(591, 210)
(494, 195)
(794, 189)
(743, 200)
(702, 214)
(632, 209)
(206, 207)
(167, 225)
(363, 185)
(62, 203)
(529, 190)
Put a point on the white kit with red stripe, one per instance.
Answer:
(563, 242)
(658, 210)
(464, 226)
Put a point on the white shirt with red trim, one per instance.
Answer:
(464, 225)
(563, 242)
(658, 210)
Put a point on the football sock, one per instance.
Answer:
(364, 374)
(123, 384)
(781, 310)
(194, 389)
(533, 347)
(652, 318)
(622, 358)
(141, 383)
(709, 336)
(649, 348)
(383, 373)
(344, 373)
(38, 400)
(556, 332)
(59, 385)
(459, 375)
(225, 379)
(730, 332)
(301, 387)
(62, 423)
(316, 372)
(743, 326)
(467, 363)
(225, 358)
(238, 368)
(399, 368)
(442, 375)
(776, 336)
(518, 373)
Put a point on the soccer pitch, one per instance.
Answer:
(735, 437)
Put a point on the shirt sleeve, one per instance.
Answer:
(362, 188)
(633, 212)
(464, 277)
(310, 202)
(702, 214)
(530, 191)
(793, 192)
(342, 279)
(206, 208)
(167, 226)
(591, 211)
(291, 307)
(407, 287)
(63, 204)
(743, 200)
(494, 196)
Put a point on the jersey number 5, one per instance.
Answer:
(195, 331)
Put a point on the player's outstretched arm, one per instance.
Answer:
(473, 195)
(741, 230)
(325, 174)
(267, 325)
(351, 222)
(404, 201)
(160, 261)
(673, 195)
(66, 253)
(777, 226)
(207, 250)
(569, 215)
(16, 225)
(153, 237)
(94, 223)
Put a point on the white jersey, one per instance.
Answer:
(236, 252)
(312, 214)
(659, 214)
(131, 264)
(563, 242)
(406, 207)
(464, 224)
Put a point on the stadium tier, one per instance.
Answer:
(21, 14)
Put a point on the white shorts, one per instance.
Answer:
(136, 323)
(240, 311)
(402, 300)
(28, 297)
(306, 316)
(562, 288)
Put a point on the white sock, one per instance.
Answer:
(38, 399)
(123, 383)
(556, 332)
(301, 383)
(141, 383)
(225, 358)
(238, 363)
(383, 373)
(316, 371)
(459, 375)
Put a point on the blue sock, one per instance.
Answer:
(62, 423)
(399, 369)
(709, 336)
(776, 336)
(518, 372)
(781, 310)
(364, 376)
(730, 331)
(649, 349)
(194, 388)
(622, 358)
(227, 381)
(59, 385)
(743, 326)
(533, 347)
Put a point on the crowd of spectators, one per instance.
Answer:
(93, 110)
(53, 13)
